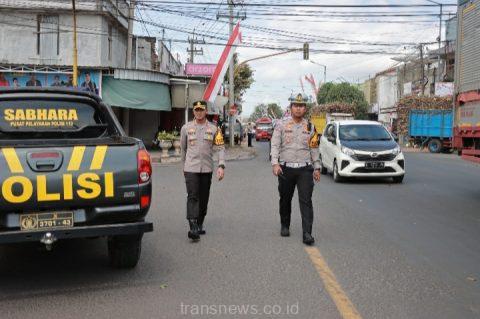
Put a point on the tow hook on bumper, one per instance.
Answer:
(48, 239)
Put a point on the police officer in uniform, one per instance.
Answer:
(295, 160)
(198, 139)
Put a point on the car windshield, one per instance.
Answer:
(364, 133)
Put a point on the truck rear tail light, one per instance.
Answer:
(144, 201)
(45, 155)
(144, 164)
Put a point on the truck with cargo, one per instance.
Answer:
(321, 119)
(466, 134)
(68, 170)
(431, 128)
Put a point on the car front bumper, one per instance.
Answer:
(395, 167)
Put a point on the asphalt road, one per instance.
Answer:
(397, 251)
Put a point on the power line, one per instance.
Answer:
(271, 5)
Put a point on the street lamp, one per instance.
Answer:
(324, 71)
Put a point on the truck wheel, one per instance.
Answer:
(124, 251)
(398, 179)
(435, 146)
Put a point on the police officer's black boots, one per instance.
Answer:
(308, 239)
(193, 233)
(284, 231)
(201, 231)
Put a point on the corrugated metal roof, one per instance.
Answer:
(141, 75)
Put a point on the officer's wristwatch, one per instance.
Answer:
(221, 166)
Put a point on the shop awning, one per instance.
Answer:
(132, 94)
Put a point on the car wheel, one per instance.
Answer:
(398, 179)
(323, 169)
(124, 251)
(336, 177)
(435, 146)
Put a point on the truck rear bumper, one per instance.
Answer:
(76, 232)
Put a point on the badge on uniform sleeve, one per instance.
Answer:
(314, 139)
(218, 140)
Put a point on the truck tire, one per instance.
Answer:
(124, 251)
(435, 145)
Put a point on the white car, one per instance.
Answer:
(360, 149)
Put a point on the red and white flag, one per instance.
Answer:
(222, 66)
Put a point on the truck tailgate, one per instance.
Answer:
(68, 177)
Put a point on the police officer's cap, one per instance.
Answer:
(298, 99)
(200, 105)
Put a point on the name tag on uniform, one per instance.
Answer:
(208, 136)
(192, 139)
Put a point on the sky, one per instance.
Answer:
(276, 78)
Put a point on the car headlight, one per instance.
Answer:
(396, 150)
(347, 151)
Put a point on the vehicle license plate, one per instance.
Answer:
(374, 165)
(46, 220)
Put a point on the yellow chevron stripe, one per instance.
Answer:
(76, 159)
(98, 157)
(12, 160)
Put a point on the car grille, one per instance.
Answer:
(380, 157)
(376, 170)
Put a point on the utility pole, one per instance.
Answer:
(423, 68)
(231, 90)
(193, 50)
(231, 69)
(75, 52)
(439, 34)
(131, 17)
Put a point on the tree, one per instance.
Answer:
(271, 110)
(344, 93)
(243, 78)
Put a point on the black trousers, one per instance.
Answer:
(198, 190)
(250, 137)
(302, 178)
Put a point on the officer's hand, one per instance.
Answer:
(316, 175)
(277, 169)
(220, 173)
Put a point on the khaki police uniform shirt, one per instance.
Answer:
(291, 143)
(198, 145)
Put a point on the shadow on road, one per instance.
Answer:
(27, 270)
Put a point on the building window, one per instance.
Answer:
(48, 36)
(110, 41)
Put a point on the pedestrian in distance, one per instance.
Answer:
(199, 138)
(295, 161)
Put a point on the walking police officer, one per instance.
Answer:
(199, 138)
(295, 160)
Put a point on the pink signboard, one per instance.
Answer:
(199, 69)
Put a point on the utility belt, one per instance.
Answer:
(295, 165)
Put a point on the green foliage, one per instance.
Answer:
(164, 136)
(272, 110)
(344, 93)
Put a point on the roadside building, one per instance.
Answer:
(37, 49)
